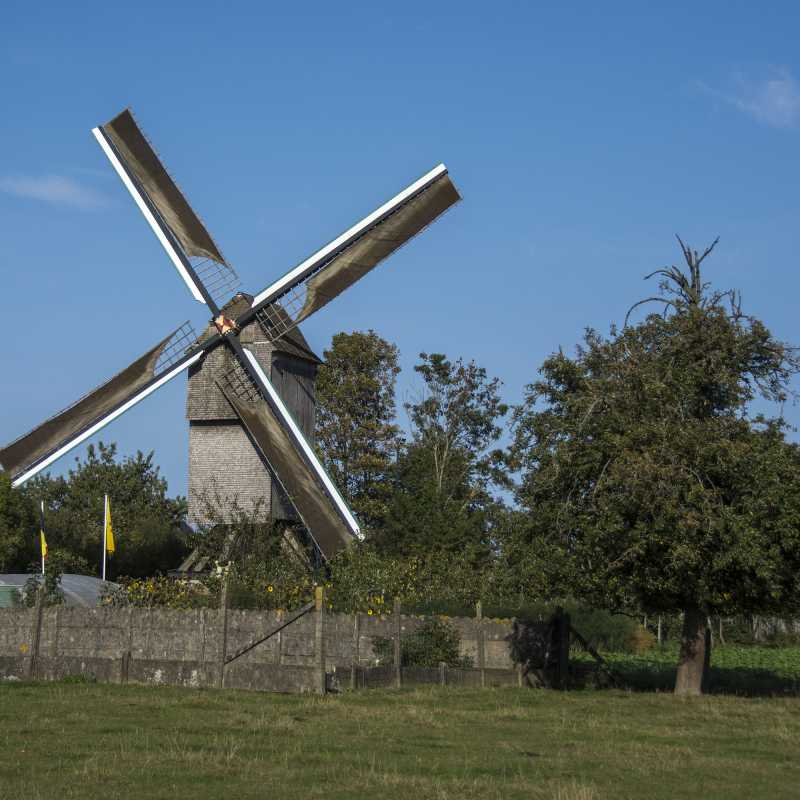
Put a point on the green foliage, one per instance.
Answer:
(647, 483)
(267, 563)
(272, 573)
(356, 434)
(164, 592)
(58, 562)
(443, 479)
(604, 630)
(147, 523)
(359, 577)
(17, 526)
(53, 596)
(750, 670)
(769, 632)
(434, 642)
(421, 518)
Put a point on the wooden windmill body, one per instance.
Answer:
(224, 467)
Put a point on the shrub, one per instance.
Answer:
(434, 642)
(165, 592)
(58, 562)
(640, 640)
(602, 629)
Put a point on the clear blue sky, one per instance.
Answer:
(581, 138)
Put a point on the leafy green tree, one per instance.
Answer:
(444, 477)
(18, 527)
(456, 420)
(421, 518)
(147, 523)
(649, 484)
(356, 434)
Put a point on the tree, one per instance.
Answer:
(456, 420)
(356, 435)
(421, 518)
(147, 523)
(444, 477)
(649, 484)
(17, 527)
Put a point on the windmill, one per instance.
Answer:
(277, 310)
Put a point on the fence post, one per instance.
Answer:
(398, 669)
(56, 631)
(481, 642)
(223, 637)
(33, 662)
(443, 673)
(356, 641)
(563, 648)
(202, 637)
(319, 638)
(125, 657)
(279, 636)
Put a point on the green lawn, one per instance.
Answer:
(88, 741)
(735, 669)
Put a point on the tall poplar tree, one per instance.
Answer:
(356, 434)
(446, 473)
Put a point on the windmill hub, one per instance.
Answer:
(225, 326)
(247, 391)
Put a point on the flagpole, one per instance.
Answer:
(105, 529)
(41, 549)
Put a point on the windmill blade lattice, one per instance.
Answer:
(37, 449)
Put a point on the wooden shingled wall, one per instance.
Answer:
(222, 460)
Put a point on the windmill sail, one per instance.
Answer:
(291, 459)
(312, 505)
(342, 262)
(39, 448)
(173, 220)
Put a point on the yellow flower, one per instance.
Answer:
(269, 588)
(369, 612)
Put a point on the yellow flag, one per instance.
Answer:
(109, 532)
(42, 540)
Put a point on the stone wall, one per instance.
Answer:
(186, 647)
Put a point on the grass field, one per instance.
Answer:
(735, 669)
(72, 740)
